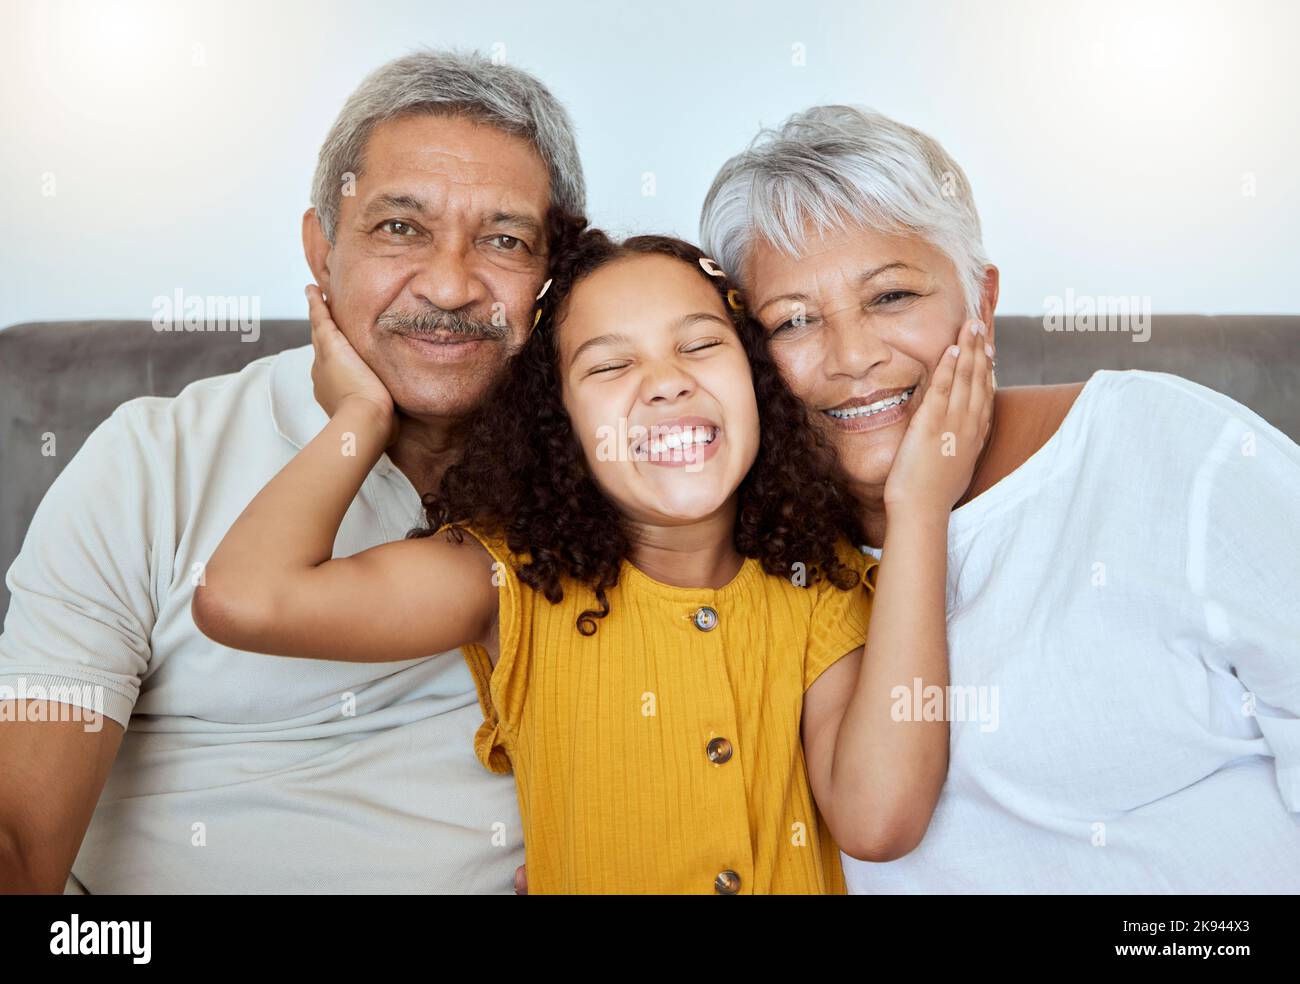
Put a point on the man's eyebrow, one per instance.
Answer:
(394, 203)
(863, 279)
(516, 220)
(613, 338)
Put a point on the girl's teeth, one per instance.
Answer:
(701, 436)
(871, 409)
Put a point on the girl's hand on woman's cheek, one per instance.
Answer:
(338, 373)
(937, 456)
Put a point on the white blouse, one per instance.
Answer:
(1124, 638)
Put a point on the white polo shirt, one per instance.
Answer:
(239, 772)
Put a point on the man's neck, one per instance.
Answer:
(424, 449)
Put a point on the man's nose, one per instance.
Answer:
(445, 278)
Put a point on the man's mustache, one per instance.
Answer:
(432, 320)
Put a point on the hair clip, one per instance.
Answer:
(711, 268)
(537, 316)
(545, 287)
(734, 301)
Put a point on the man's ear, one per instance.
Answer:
(989, 299)
(316, 248)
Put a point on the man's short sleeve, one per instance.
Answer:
(82, 596)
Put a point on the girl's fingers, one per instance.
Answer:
(324, 332)
(314, 304)
(315, 335)
(318, 310)
(981, 375)
(961, 383)
(937, 394)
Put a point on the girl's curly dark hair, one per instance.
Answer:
(523, 475)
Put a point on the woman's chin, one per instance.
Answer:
(866, 464)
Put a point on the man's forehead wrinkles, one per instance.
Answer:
(432, 165)
(461, 168)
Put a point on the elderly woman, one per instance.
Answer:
(1123, 622)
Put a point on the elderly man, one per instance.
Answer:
(245, 774)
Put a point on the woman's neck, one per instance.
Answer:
(1024, 419)
(698, 555)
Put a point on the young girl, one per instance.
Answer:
(658, 596)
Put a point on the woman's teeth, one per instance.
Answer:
(871, 409)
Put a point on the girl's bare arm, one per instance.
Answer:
(272, 585)
(876, 779)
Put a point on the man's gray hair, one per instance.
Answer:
(450, 83)
(838, 166)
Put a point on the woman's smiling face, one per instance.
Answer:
(658, 388)
(858, 323)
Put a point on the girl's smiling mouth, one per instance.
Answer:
(682, 441)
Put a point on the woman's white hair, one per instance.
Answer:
(449, 83)
(839, 166)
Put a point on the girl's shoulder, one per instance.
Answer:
(858, 559)
(494, 542)
(851, 557)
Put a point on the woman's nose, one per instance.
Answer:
(853, 349)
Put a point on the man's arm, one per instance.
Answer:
(54, 772)
(80, 617)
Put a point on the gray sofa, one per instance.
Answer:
(65, 377)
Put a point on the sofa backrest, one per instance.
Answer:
(63, 378)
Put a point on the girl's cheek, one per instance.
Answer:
(601, 436)
(741, 412)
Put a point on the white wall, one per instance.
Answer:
(1113, 146)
